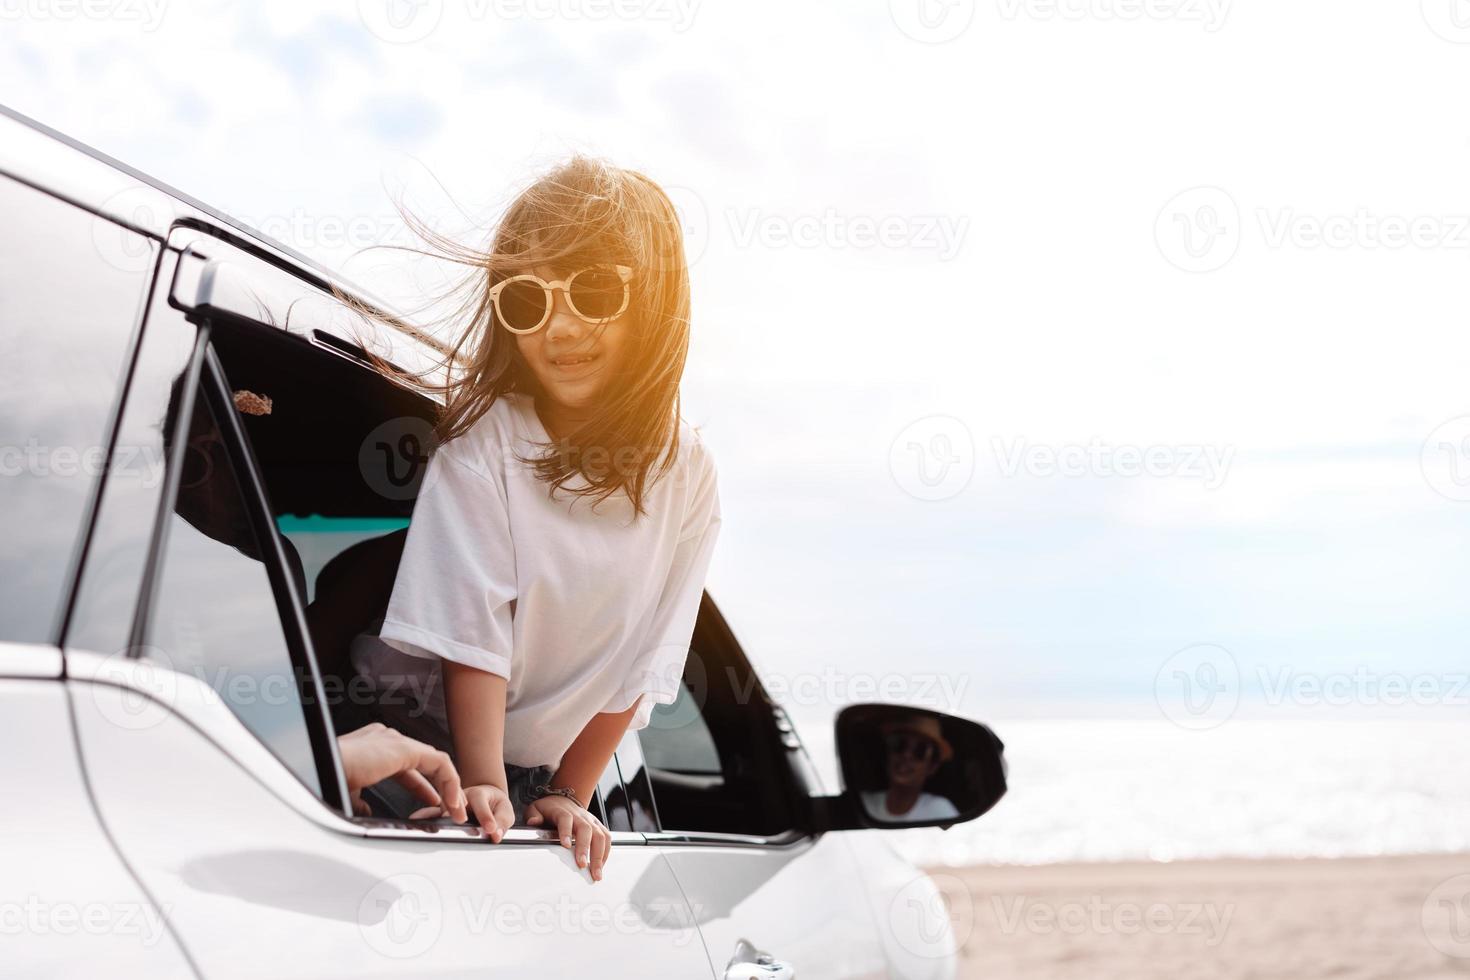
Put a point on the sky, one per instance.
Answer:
(1057, 355)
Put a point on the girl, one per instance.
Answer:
(556, 558)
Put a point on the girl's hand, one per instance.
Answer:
(575, 826)
(491, 806)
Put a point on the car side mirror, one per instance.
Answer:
(912, 767)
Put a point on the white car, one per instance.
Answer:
(184, 564)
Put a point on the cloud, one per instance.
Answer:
(401, 120)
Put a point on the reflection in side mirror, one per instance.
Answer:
(911, 767)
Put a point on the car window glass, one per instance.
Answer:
(713, 761)
(67, 315)
(640, 813)
(107, 598)
(678, 738)
(215, 614)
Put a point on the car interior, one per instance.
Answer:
(346, 539)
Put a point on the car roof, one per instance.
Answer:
(56, 164)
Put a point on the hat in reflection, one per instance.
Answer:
(926, 726)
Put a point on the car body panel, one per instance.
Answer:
(65, 896)
(802, 903)
(916, 926)
(255, 887)
(29, 660)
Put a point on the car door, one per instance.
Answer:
(720, 774)
(204, 728)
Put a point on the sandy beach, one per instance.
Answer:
(1348, 919)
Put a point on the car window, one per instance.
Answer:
(106, 603)
(678, 739)
(713, 761)
(215, 613)
(342, 522)
(67, 316)
(608, 802)
(334, 505)
(640, 812)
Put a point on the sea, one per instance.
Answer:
(1096, 790)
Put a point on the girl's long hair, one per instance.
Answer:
(582, 212)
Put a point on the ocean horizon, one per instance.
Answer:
(1122, 789)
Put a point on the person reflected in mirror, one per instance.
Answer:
(916, 749)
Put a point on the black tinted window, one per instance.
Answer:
(215, 614)
(67, 310)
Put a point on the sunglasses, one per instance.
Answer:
(915, 746)
(523, 303)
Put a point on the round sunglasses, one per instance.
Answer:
(523, 303)
(911, 744)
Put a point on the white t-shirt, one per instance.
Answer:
(927, 807)
(582, 611)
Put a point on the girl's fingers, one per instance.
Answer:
(584, 842)
(564, 825)
(505, 815)
(427, 813)
(602, 852)
(485, 813)
(596, 854)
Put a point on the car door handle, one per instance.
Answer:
(749, 963)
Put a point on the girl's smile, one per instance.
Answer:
(573, 360)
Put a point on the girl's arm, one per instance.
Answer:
(582, 766)
(475, 702)
(587, 758)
